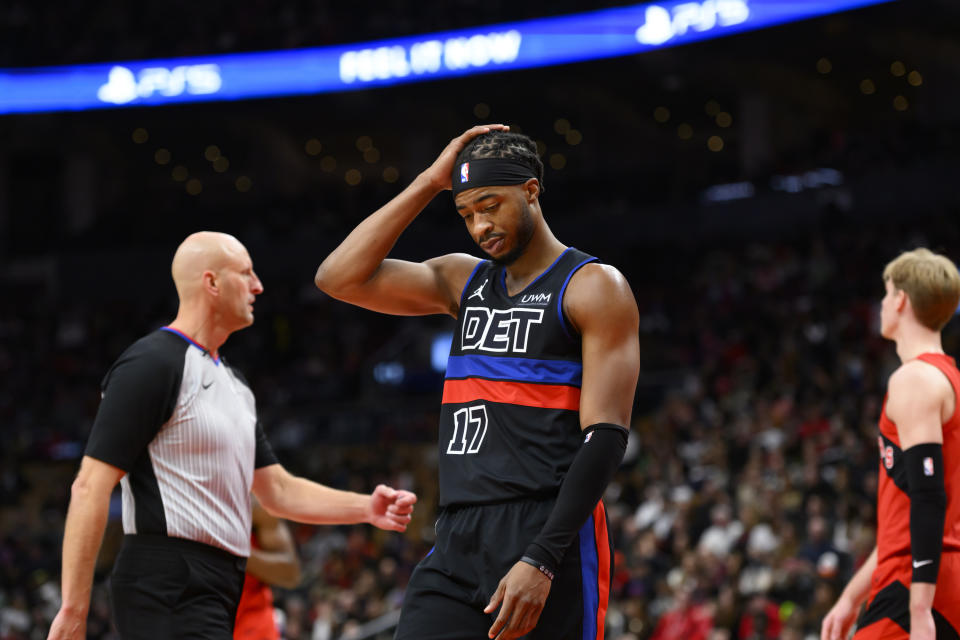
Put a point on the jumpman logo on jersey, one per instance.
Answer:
(479, 291)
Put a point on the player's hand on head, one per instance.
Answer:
(439, 172)
(520, 595)
(391, 508)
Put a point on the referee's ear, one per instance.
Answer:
(209, 279)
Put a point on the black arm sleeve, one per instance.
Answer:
(592, 468)
(928, 508)
(139, 394)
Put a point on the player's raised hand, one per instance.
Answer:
(439, 172)
(520, 595)
(391, 508)
(837, 624)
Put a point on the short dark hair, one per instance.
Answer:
(504, 144)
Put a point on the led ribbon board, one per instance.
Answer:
(519, 45)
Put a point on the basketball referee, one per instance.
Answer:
(177, 428)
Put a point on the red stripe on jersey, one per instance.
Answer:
(545, 396)
(603, 565)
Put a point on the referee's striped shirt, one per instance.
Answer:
(184, 427)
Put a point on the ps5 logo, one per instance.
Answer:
(123, 86)
(661, 25)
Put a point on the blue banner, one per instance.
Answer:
(518, 45)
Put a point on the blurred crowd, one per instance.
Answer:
(744, 503)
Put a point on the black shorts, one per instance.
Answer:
(476, 546)
(174, 588)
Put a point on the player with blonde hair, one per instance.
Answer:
(911, 581)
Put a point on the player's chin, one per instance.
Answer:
(495, 255)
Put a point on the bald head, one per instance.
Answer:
(200, 252)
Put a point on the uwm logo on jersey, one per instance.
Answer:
(541, 299)
(498, 330)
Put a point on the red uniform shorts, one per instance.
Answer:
(887, 616)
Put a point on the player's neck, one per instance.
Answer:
(543, 250)
(913, 340)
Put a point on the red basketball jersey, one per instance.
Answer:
(255, 614)
(893, 502)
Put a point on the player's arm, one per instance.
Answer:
(83, 534)
(602, 308)
(837, 623)
(916, 395)
(275, 559)
(287, 496)
(359, 272)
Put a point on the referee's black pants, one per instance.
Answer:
(170, 588)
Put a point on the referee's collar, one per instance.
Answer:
(191, 341)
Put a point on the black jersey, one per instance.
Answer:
(509, 419)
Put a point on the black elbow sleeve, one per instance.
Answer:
(928, 507)
(583, 486)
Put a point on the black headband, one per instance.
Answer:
(489, 172)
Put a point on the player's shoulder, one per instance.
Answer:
(916, 372)
(600, 274)
(918, 380)
(599, 284)
(599, 296)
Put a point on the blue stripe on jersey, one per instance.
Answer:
(518, 369)
(590, 574)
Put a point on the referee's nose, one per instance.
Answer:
(256, 287)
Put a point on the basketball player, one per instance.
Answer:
(273, 561)
(177, 427)
(536, 404)
(911, 581)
